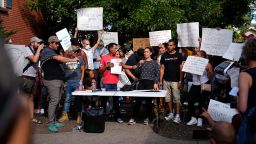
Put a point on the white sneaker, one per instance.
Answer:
(177, 119)
(193, 121)
(131, 122)
(119, 120)
(169, 117)
(200, 122)
(146, 121)
(42, 111)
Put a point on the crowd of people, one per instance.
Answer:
(83, 67)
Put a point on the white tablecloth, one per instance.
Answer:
(134, 93)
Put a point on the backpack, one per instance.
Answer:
(18, 59)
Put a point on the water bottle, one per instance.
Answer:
(93, 86)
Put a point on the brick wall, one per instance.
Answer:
(21, 20)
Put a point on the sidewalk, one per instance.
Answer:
(114, 134)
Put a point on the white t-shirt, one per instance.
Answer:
(32, 70)
(89, 53)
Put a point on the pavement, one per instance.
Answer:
(114, 134)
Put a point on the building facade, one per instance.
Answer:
(16, 17)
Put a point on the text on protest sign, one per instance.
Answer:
(64, 36)
(90, 18)
(216, 42)
(188, 34)
(234, 51)
(158, 37)
(140, 43)
(109, 37)
(220, 111)
(117, 69)
(195, 65)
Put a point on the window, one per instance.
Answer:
(2, 3)
(8, 4)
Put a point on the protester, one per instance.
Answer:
(98, 53)
(171, 78)
(247, 93)
(148, 71)
(197, 97)
(89, 80)
(32, 53)
(74, 75)
(162, 50)
(134, 60)
(53, 78)
(89, 51)
(110, 80)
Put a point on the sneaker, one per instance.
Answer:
(52, 128)
(193, 121)
(131, 122)
(42, 111)
(177, 119)
(119, 120)
(58, 124)
(169, 117)
(146, 121)
(200, 122)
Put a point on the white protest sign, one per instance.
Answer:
(234, 91)
(90, 18)
(234, 74)
(64, 36)
(158, 37)
(195, 65)
(220, 111)
(117, 69)
(188, 34)
(109, 37)
(123, 80)
(216, 42)
(234, 51)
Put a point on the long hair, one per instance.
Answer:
(249, 50)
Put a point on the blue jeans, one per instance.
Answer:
(113, 87)
(70, 87)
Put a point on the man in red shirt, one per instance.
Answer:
(110, 80)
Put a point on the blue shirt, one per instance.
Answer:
(96, 54)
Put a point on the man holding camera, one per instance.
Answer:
(28, 84)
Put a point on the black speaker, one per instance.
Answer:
(94, 120)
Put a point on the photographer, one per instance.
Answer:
(28, 85)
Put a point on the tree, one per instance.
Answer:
(133, 18)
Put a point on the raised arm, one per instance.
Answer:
(98, 41)
(76, 32)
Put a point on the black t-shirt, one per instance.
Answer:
(171, 64)
(133, 60)
(53, 70)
